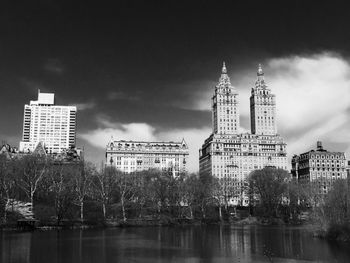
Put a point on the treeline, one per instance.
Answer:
(78, 191)
(273, 194)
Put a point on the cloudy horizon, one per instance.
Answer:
(301, 80)
(152, 78)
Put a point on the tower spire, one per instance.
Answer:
(224, 80)
(260, 71)
(260, 75)
(224, 70)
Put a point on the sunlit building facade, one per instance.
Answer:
(135, 156)
(230, 155)
(52, 125)
(319, 167)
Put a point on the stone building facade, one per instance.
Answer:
(135, 156)
(262, 108)
(320, 167)
(231, 155)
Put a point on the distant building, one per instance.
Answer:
(230, 155)
(320, 167)
(134, 156)
(50, 124)
(9, 151)
(71, 155)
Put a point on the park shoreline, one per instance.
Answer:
(334, 233)
(164, 221)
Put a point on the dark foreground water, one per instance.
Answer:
(171, 244)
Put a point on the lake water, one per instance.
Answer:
(171, 244)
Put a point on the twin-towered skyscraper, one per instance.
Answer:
(231, 155)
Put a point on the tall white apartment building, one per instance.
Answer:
(50, 124)
(135, 156)
(230, 155)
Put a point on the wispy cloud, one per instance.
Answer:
(54, 66)
(32, 86)
(85, 105)
(120, 95)
(120, 131)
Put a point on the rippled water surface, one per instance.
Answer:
(171, 244)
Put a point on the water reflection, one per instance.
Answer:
(171, 244)
(19, 242)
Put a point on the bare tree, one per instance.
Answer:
(189, 191)
(31, 172)
(269, 186)
(218, 193)
(205, 192)
(294, 198)
(142, 190)
(310, 193)
(104, 185)
(125, 187)
(336, 203)
(61, 186)
(82, 184)
(175, 197)
(160, 189)
(7, 181)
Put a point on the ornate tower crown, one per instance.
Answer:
(225, 106)
(224, 70)
(224, 80)
(260, 71)
(260, 82)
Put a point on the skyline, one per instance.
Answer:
(142, 131)
(152, 77)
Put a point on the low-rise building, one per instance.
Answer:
(135, 156)
(320, 167)
(9, 151)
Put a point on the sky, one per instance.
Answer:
(146, 70)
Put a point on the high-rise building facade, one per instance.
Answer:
(262, 108)
(230, 155)
(50, 124)
(225, 106)
(135, 156)
(319, 167)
